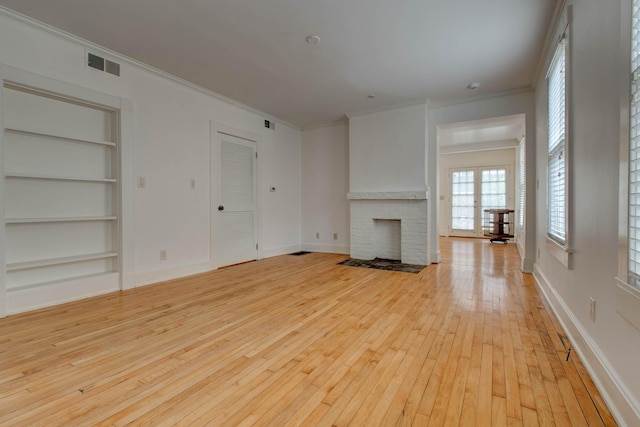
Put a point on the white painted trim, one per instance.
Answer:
(157, 276)
(559, 252)
(389, 195)
(33, 298)
(621, 402)
(388, 108)
(478, 146)
(449, 102)
(282, 250)
(326, 248)
(59, 88)
(326, 125)
(628, 302)
(3, 238)
(126, 185)
(35, 24)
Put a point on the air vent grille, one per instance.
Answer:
(99, 63)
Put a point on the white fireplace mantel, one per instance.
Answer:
(389, 195)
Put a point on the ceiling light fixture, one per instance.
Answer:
(313, 39)
(473, 86)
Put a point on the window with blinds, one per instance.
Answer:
(557, 179)
(634, 151)
(521, 182)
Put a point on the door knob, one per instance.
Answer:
(220, 208)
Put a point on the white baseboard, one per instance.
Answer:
(526, 265)
(331, 249)
(151, 277)
(623, 406)
(282, 250)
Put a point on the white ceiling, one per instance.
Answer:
(254, 51)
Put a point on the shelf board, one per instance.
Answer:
(59, 219)
(58, 137)
(15, 288)
(24, 265)
(58, 178)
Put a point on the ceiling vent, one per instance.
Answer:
(99, 63)
(269, 124)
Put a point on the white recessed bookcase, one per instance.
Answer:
(61, 192)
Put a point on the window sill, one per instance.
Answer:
(559, 252)
(628, 302)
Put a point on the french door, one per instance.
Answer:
(472, 191)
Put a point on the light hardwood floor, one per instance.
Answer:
(299, 340)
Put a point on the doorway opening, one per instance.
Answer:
(480, 166)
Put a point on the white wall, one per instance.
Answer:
(171, 146)
(387, 150)
(505, 157)
(485, 108)
(325, 184)
(610, 345)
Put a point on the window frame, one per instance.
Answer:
(627, 293)
(561, 249)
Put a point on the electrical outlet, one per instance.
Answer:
(317, 235)
(335, 236)
(538, 253)
(192, 183)
(142, 182)
(163, 255)
(592, 309)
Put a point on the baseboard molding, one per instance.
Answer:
(624, 407)
(331, 249)
(527, 265)
(151, 277)
(282, 250)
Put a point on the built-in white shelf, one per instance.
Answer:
(60, 219)
(57, 261)
(14, 288)
(58, 178)
(57, 137)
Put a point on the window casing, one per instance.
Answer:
(521, 182)
(557, 145)
(633, 232)
(627, 283)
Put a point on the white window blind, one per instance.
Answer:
(634, 151)
(557, 180)
(521, 182)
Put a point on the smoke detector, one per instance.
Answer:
(473, 86)
(313, 39)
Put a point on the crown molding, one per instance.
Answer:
(444, 102)
(56, 32)
(422, 101)
(340, 122)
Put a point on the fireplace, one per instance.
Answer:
(390, 225)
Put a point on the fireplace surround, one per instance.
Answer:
(410, 208)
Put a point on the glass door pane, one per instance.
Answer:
(463, 200)
(493, 191)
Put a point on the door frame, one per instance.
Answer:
(215, 129)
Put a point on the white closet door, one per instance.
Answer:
(237, 201)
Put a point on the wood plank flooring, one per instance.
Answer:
(299, 340)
